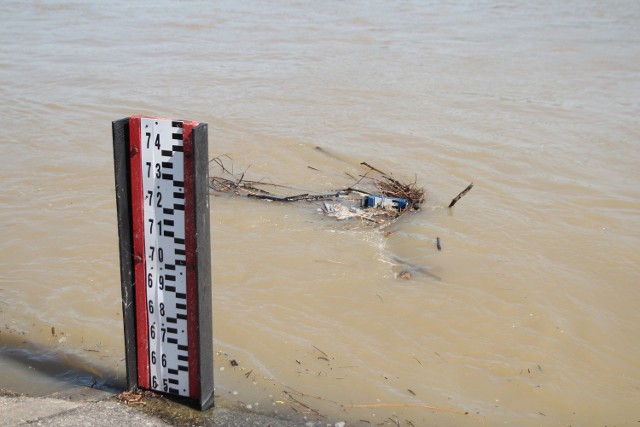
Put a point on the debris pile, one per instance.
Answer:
(375, 197)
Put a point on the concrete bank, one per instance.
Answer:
(84, 406)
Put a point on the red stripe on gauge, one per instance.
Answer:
(137, 214)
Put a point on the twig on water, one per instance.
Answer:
(323, 353)
(372, 168)
(300, 403)
(459, 196)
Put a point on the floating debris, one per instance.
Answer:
(404, 275)
(375, 197)
(385, 202)
(340, 211)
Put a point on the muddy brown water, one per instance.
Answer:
(534, 320)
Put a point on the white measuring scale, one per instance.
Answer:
(165, 254)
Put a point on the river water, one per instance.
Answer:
(533, 317)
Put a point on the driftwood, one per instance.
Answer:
(459, 196)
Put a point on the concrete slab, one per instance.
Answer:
(83, 406)
(26, 410)
(102, 414)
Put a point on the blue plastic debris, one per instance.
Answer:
(382, 202)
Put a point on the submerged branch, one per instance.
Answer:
(300, 197)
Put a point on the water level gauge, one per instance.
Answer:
(163, 215)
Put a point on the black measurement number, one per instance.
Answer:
(151, 310)
(154, 383)
(163, 359)
(157, 168)
(152, 331)
(157, 141)
(160, 253)
(151, 222)
(158, 198)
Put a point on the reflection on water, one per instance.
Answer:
(534, 318)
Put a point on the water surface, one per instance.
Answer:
(534, 318)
